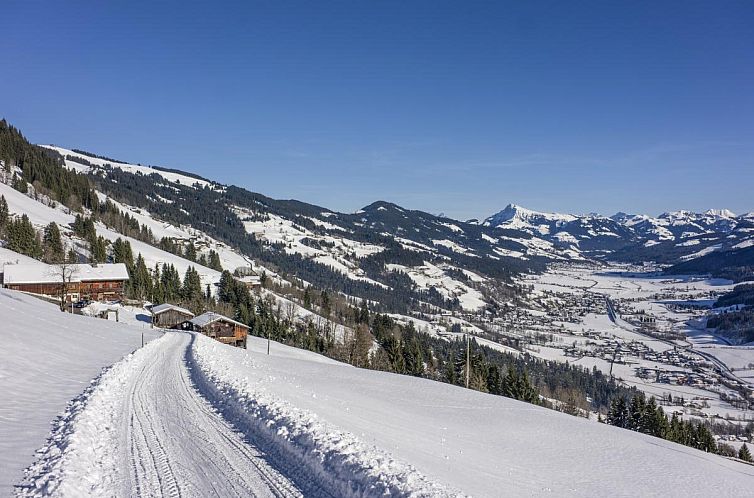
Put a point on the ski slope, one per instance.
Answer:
(46, 359)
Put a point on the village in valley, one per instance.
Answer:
(644, 329)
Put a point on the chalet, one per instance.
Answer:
(96, 282)
(247, 276)
(170, 316)
(219, 327)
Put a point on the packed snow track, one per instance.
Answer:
(145, 430)
(177, 445)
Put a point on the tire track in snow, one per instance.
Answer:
(142, 429)
(178, 445)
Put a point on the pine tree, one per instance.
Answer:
(53, 245)
(190, 252)
(744, 453)
(20, 184)
(4, 213)
(122, 253)
(22, 238)
(171, 283)
(214, 261)
(98, 249)
(140, 283)
(192, 286)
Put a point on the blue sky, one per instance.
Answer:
(455, 107)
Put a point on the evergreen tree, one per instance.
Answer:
(190, 252)
(140, 283)
(192, 286)
(22, 238)
(20, 184)
(98, 249)
(53, 244)
(744, 453)
(4, 214)
(122, 253)
(214, 261)
(171, 283)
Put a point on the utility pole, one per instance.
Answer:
(468, 345)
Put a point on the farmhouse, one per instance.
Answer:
(219, 327)
(96, 282)
(170, 316)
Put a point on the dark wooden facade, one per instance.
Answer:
(222, 329)
(99, 290)
(171, 319)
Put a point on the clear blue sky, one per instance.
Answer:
(456, 107)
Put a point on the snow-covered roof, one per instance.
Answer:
(161, 308)
(206, 318)
(41, 273)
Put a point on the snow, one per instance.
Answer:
(226, 421)
(209, 317)
(161, 308)
(430, 276)
(47, 358)
(451, 245)
(8, 257)
(39, 272)
(144, 430)
(702, 252)
(41, 215)
(129, 168)
(480, 444)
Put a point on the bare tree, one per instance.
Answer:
(63, 273)
(290, 312)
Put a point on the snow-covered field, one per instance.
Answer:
(46, 359)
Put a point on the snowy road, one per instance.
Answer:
(143, 429)
(177, 445)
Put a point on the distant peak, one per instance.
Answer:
(720, 213)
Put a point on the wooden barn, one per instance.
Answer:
(219, 327)
(170, 316)
(102, 282)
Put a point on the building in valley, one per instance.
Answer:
(101, 282)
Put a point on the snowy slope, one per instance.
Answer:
(41, 215)
(480, 444)
(130, 168)
(47, 358)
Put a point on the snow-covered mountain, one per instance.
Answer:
(668, 238)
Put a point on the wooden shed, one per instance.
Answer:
(219, 327)
(170, 316)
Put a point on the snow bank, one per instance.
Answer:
(80, 457)
(341, 462)
(46, 359)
